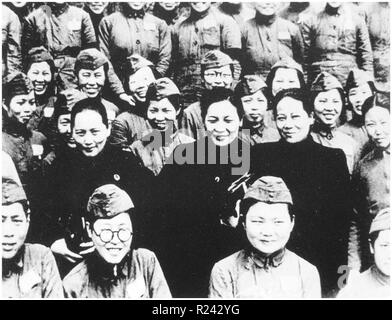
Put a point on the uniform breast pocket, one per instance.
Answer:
(349, 39)
(75, 30)
(327, 41)
(211, 37)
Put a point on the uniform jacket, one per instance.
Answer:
(244, 275)
(336, 43)
(33, 274)
(265, 42)
(318, 180)
(139, 276)
(356, 130)
(192, 39)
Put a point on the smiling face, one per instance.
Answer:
(377, 124)
(160, 114)
(112, 237)
(218, 77)
(169, 6)
(91, 82)
(97, 7)
(357, 96)
(382, 252)
(285, 79)
(222, 122)
(64, 129)
(255, 106)
(136, 5)
(139, 81)
(268, 226)
(90, 133)
(40, 76)
(22, 107)
(200, 6)
(14, 227)
(292, 120)
(328, 107)
(266, 8)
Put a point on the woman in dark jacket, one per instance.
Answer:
(77, 174)
(319, 181)
(195, 198)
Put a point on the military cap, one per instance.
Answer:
(382, 221)
(287, 63)
(250, 84)
(357, 78)
(269, 189)
(163, 88)
(137, 62)
(39, 54)
(108, 201)
(325, 82)
(12, 192)
(16, 84)
(90, 59)
(215, 59)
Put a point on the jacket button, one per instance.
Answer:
(137, 41)
(195, 43)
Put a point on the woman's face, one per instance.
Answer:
(266, 8)
(377, 122)
(40, 76)
(64, 129)
(328, 107)
(90, 133)
(136, 5)
(97, 7)
(112, 237)
(22, 107)
(138, 83)
(357, 96)
(218, 77)
(292, 121)
(169, 6)
(382, 252)
(200, 6)
(91, 82)
(255, 106)
(285, 79)
(222, 122)
(161, 114)
(268, 226)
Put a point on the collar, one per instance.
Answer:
(199, 15)
(100, 270)
(16, 129)
(258, 130)
(334, 11)
(59, 9)
(129, 13)
(14, 265)
(323, 130)
(302, 146)
(298, 6)
(379, 276)
(262, 261)
(265, 20)
(169, 17)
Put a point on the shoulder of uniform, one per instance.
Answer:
(76, 274)
(144, 254)
(36, 249)
(230, 261)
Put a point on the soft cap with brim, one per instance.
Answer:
(325, 82)
(269, 189)
(164, 88)
(250, 84)
(287, 63)
(108, 201)
(215, 59)
(39, 54)
(381, 222)
(17, 84)
(90, 59)
(356, 78)
(12, 192)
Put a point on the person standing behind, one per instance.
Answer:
(336, 41)
(267, 38)
(204, 30)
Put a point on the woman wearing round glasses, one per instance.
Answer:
(116, 269)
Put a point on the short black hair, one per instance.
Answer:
(372, 89)
(294, 93)
(247, 203)
(215, 95)
(93, 104)
(373, 237)
(374, 101)
(271, 76)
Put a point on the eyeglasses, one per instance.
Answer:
(217, 74)
(106, 235)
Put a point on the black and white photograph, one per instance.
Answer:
(215, 151)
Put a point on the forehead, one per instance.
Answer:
(221, 108)
(334, 93)
(290, 105)
(364, 86)
(21, 97)
(161, 104)
(87, 119)
(377, 113)
(15, 209)
(224, 69)
(257, 94)
(63, 117)
(122, 219)
(99, 69)
(268, 210)
(43, 65)
(286, 72)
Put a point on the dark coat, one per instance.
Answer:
(318, 179)
(188, 236)
(73, 179)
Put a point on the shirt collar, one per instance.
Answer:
(14, 265)
(103, 271)
(323, 130)
(260, 260)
